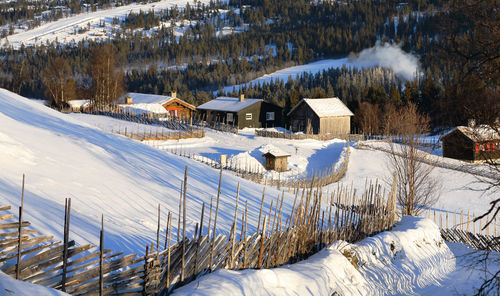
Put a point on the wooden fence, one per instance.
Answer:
(465, 228)
(165, 120)
(159, 134)
(281, 238)
(257, 175)
(442, 162)
(319, 137)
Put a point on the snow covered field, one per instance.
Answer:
(63, 29)
(309, 156)
(384, 55)
(125, 180)
(104, 173)
(411, 259)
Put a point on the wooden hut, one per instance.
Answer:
(241, 112)
(321, 116)
(276, 160)
(170, 105)
(473, 143)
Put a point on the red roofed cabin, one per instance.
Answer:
(276, 160)
(321, 116)
(474, 143)
(170, 105)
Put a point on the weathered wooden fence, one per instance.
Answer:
(464, 228)
(257, 175)
(159, 134)
(437, 161)
(166, 120)
(320, 137)
(315, 221)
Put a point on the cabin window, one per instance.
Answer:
(269, 116)
(248, 116)
(229, 117)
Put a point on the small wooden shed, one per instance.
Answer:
(276, 160)
(473, 143)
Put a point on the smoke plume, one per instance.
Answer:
(389, 56)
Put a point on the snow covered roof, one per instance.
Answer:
(478, 133)
(138, 98)
(228, 104)
(78, 103)
(276, 152)
(325, 107)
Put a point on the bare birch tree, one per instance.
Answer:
(106, 76)
(59, 84)
(417, 188)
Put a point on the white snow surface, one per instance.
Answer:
(384, 55)
(139, 98)
(105, 174)
(63, 29)
(412, 258)
(228, 104)
(326, 107)
(12, 287)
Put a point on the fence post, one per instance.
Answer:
(259, 263)
(67, 210)
(20, 232)
(101, 251)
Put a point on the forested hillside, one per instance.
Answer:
(154, 58)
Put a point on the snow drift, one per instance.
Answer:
(412, 255)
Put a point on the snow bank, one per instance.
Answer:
(11, 286)
(412, 255)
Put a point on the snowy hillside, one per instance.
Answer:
(410, 259)
(63, 30)
(384, 55)
(104, 173)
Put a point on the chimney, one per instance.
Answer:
(173, 94)
(471, 123)
(242, 97)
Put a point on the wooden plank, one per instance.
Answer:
(36, 268)
(15, 233)
(4, 208)
(46, 255)
(6, 217)
(27, 244)
(14, 225)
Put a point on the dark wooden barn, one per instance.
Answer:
(241, 112)
(321, 116)
(276, 160)
(170, 105)
(472, 143)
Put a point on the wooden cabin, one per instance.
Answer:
(276, 160)
(472, 143)
(170, 105)
(321, 116)
(241, 112)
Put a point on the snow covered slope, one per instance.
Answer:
(104, 173)
(12, 287)
(63, 29)
(410, 259)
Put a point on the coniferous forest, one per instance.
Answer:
(457, 79)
